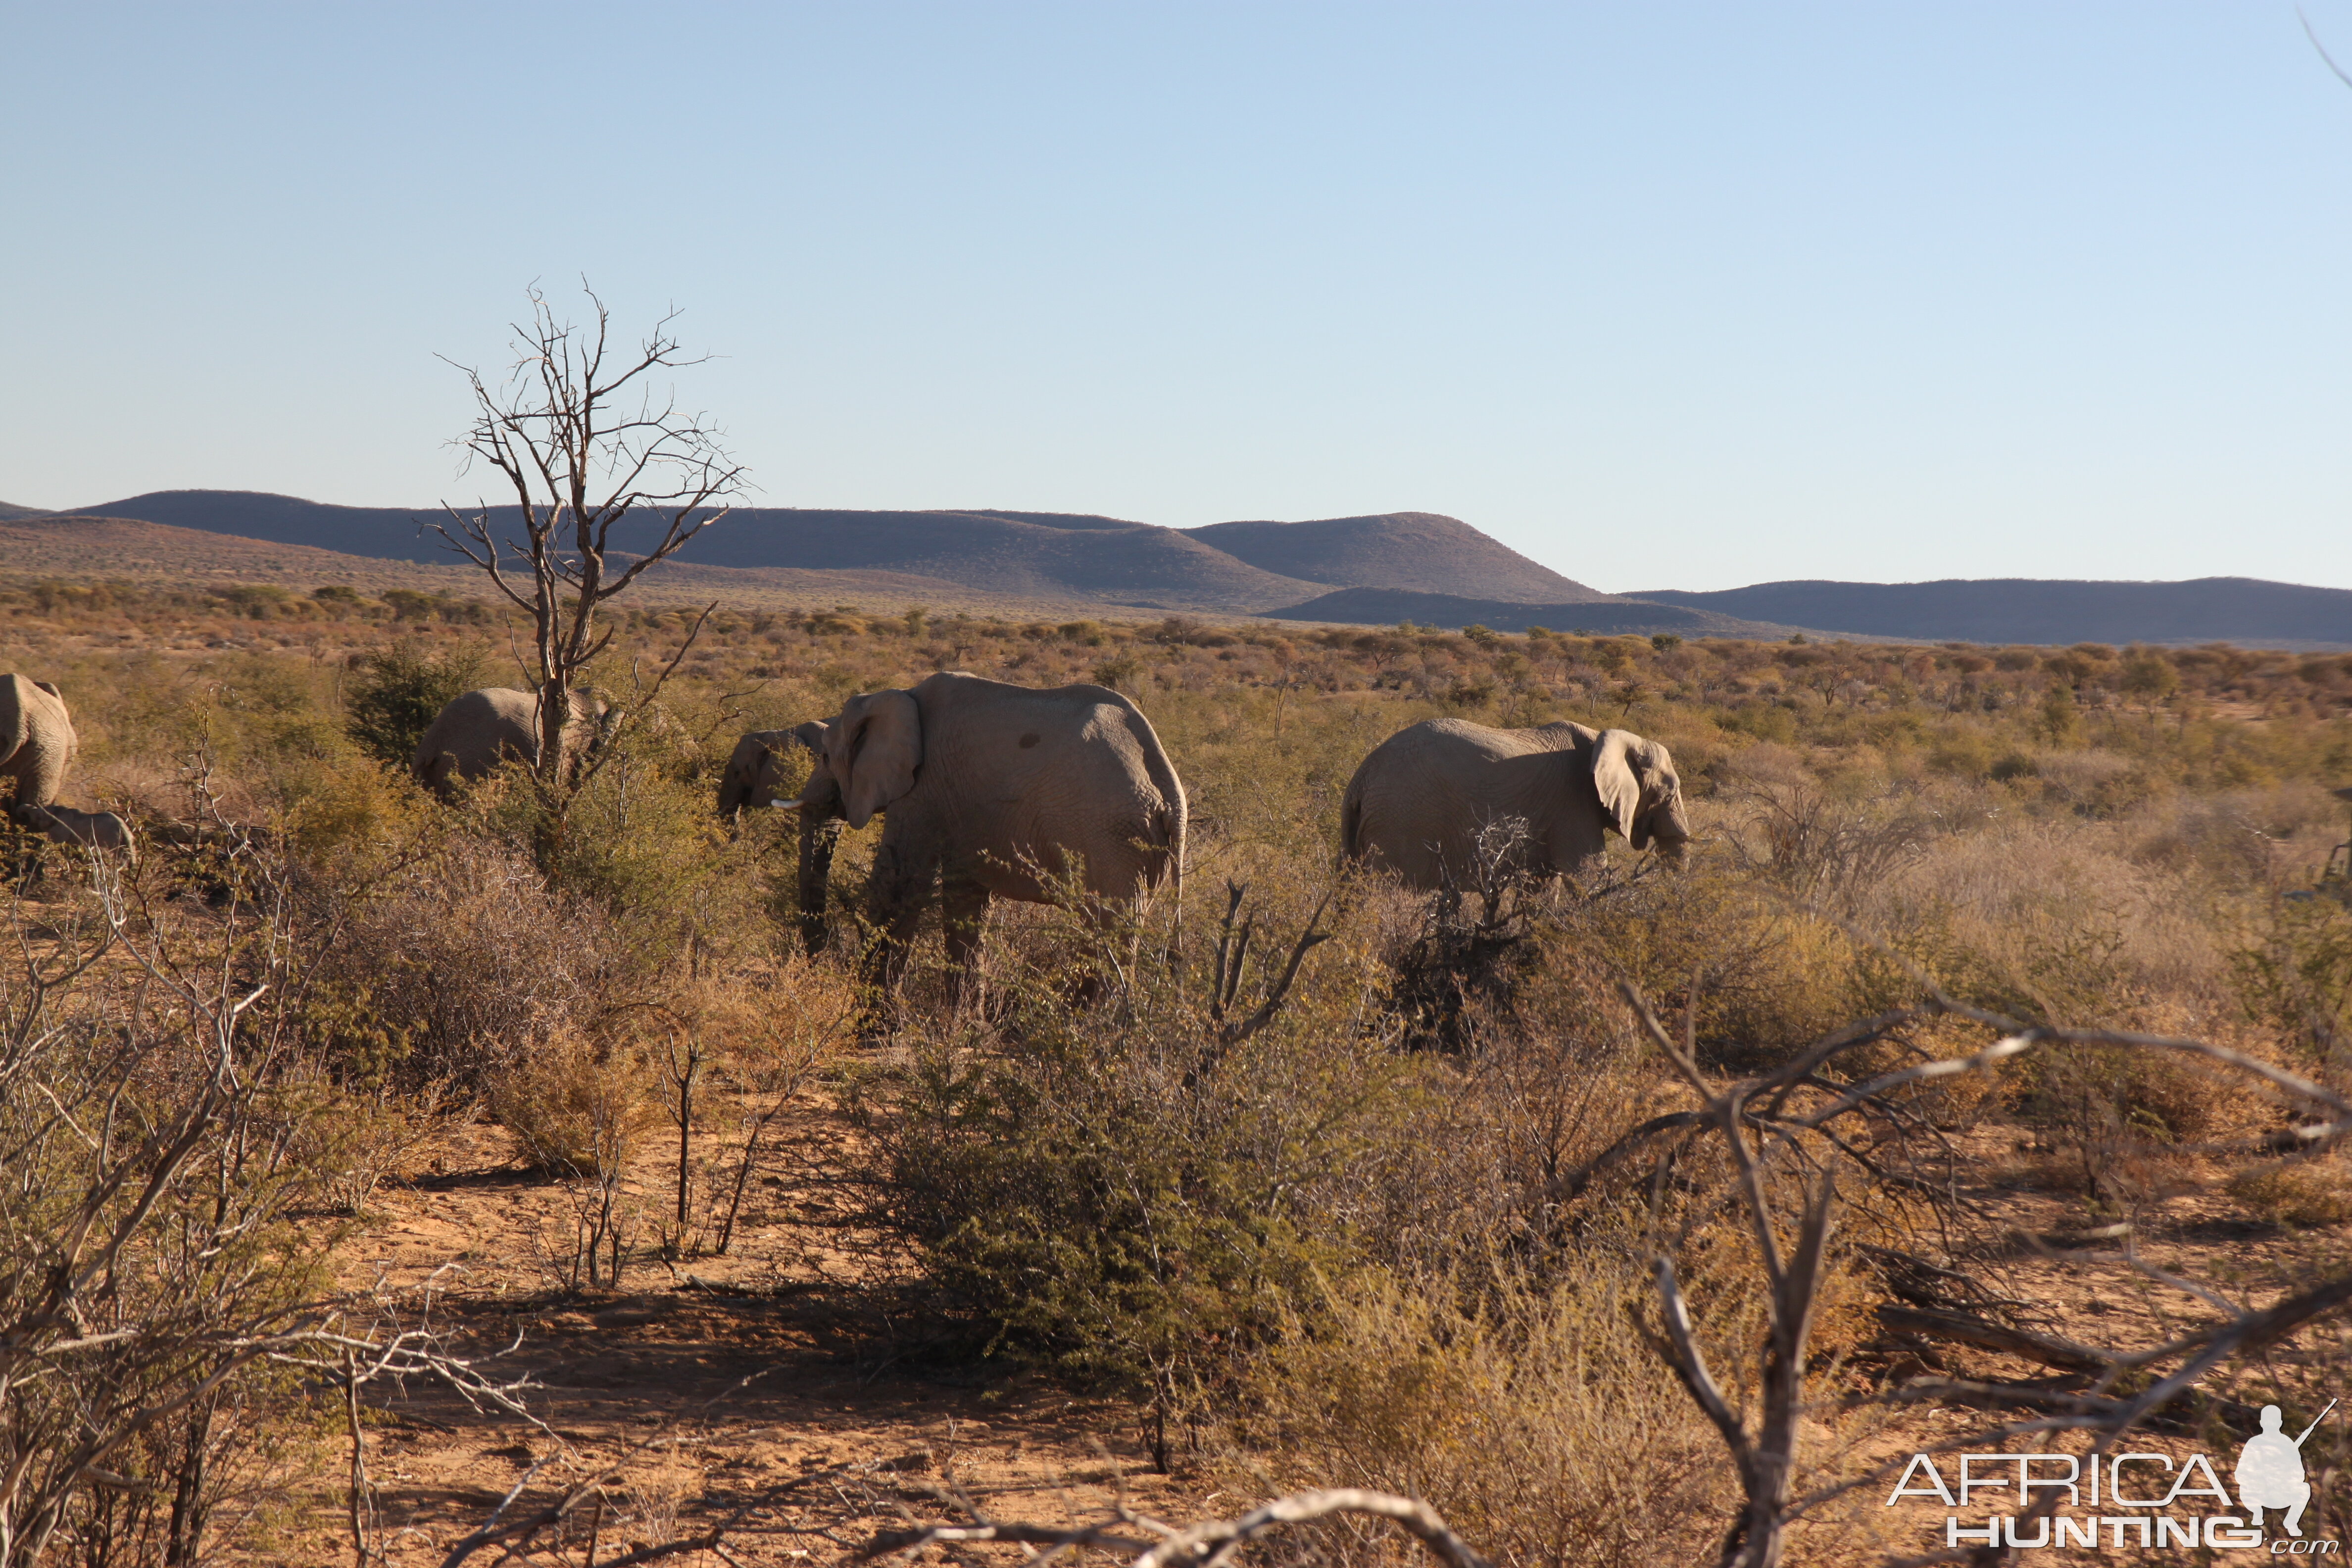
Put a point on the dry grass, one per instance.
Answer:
(2298, 1194)
(1354, 1248)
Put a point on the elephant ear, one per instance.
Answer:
(873, 750)
(1616, 757)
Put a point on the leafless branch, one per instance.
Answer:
(585, 448)
(1209, 1544)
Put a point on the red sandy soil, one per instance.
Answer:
(760, 1378)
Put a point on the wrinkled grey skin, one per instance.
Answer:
(1418, 802)
(478, 732)
(65, 824)
(987, 790)
(754, 777)
(36, 738)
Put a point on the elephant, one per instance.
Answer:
(989, 791)
(480, 730)
(37, 739)
(65, 824)
(1418, 802)
(754, 776)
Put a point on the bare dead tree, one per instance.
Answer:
(581, 435)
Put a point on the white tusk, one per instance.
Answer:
(787, 804)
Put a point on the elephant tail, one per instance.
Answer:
(1352, 823)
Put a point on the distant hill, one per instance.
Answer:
(70, 545)
(1600, 615)
(1419, 551)
(388, 533)
(1377, 569)
(2024, 610)
(1093, 558)
(1237, 566)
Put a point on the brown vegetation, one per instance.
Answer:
(1401, 1232)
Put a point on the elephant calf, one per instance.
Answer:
(987, 790)
(479, 731)
(65, 824)
(1419, 801)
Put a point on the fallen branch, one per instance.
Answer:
(1209, 1544)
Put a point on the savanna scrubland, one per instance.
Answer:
(550, 1088)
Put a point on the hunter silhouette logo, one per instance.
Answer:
(2117, 1502)
(2270, 1471)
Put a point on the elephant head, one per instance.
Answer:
(754, 773)
(869, 756)
(754, 776)
(1639, 791)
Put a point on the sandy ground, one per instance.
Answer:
(768, 1385)
(764, 1383)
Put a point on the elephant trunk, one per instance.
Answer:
(820, 832)
(1670, 833)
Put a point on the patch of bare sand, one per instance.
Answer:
(758, 1381)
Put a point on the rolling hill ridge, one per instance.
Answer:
(2039, 610)
(1374, 569)
(1245, 567)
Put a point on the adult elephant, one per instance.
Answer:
(1419, 801)
(987, 790)
(478, 732)
(37, 739)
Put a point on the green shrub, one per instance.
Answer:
(1107, 1193)
(2295, 975)
(395, 693)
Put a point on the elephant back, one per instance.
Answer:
(475, 733)
(1072, 778)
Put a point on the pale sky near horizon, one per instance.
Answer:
(1687, 296)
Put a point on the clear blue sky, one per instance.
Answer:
(1665, 295)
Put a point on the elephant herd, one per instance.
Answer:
(987, 790)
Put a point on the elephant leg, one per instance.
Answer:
(963, 911)
(1117, 943)
(901, 884)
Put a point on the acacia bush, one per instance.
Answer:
(394, 694)
(167, 1150)
(1121, 1192)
